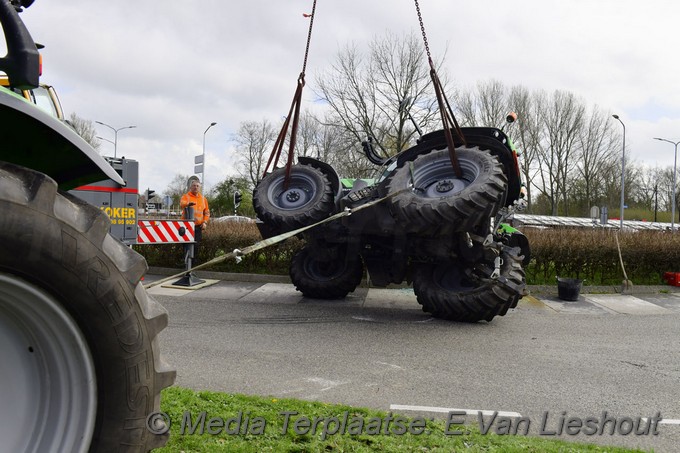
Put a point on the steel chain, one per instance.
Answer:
(309, 39)
(422, 30)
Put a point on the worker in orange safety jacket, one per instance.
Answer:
(194, 199)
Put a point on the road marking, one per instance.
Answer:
(426, 320)
(363, 318)
(628, 305)
(664, 421)
(326, 384)
(391, 365)
(446, 410)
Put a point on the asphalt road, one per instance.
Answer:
(544, 361)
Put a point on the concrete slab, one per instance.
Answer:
(629, 305)
(162, 291)
(228, 290)
(204, 284)
(670, 301)
(168, 289)
(393, 298)
(577, 307)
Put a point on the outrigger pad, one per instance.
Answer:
(189, 279)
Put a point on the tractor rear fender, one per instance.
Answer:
(328, 171)
(34, 139)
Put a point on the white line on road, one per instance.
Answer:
(446, 410)
(664, 421)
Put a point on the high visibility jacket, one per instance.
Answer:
(201, 211)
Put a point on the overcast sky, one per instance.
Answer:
(172, 67)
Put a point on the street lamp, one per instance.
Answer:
(203, 172)
(623, 166)
(675, 166)
(106, 140)
(115, 134)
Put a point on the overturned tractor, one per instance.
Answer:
(434, 216)
(428, 224)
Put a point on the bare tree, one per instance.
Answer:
(562, 119)
(466, 107)
(527, 133)
(177, 187)
(651, 191)
(486, 105)
(365, 93)
(598, 145)
(254, 142)
(85, 129)
(329, 142)
(493, 103)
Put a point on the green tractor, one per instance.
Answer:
(81, 369)
(441, 229)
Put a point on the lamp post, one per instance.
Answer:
(115, 135)
(623, 166)
(675, 166)
(106, 140)
(203, 172)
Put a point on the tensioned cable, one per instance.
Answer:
(294, 112)
(448, 118)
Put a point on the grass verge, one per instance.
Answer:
(240, 423)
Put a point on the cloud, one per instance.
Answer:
(173, 67)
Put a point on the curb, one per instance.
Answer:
(227, 276)
(546, 290)
(551, 290)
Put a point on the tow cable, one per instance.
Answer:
(237, 254)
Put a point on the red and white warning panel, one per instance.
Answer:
(165, 231)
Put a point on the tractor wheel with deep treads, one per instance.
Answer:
(467, 293)
(325, 272)
(441, 201)
(306, 199)
(81, 369)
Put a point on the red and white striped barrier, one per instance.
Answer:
(165, 232)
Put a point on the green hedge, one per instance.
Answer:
(589, 254)
(222, 238)
(592, 254)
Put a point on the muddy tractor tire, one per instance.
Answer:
(325, 273)
(439, 200)
(307, 199)
(458, 292)
(81, 369)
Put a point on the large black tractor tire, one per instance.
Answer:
(307, 199)
(439, 200)
(325, 273)
(451, 290)
(81, 369)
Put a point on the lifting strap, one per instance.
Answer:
(448, 118)
(237, 254)
(294, 112)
